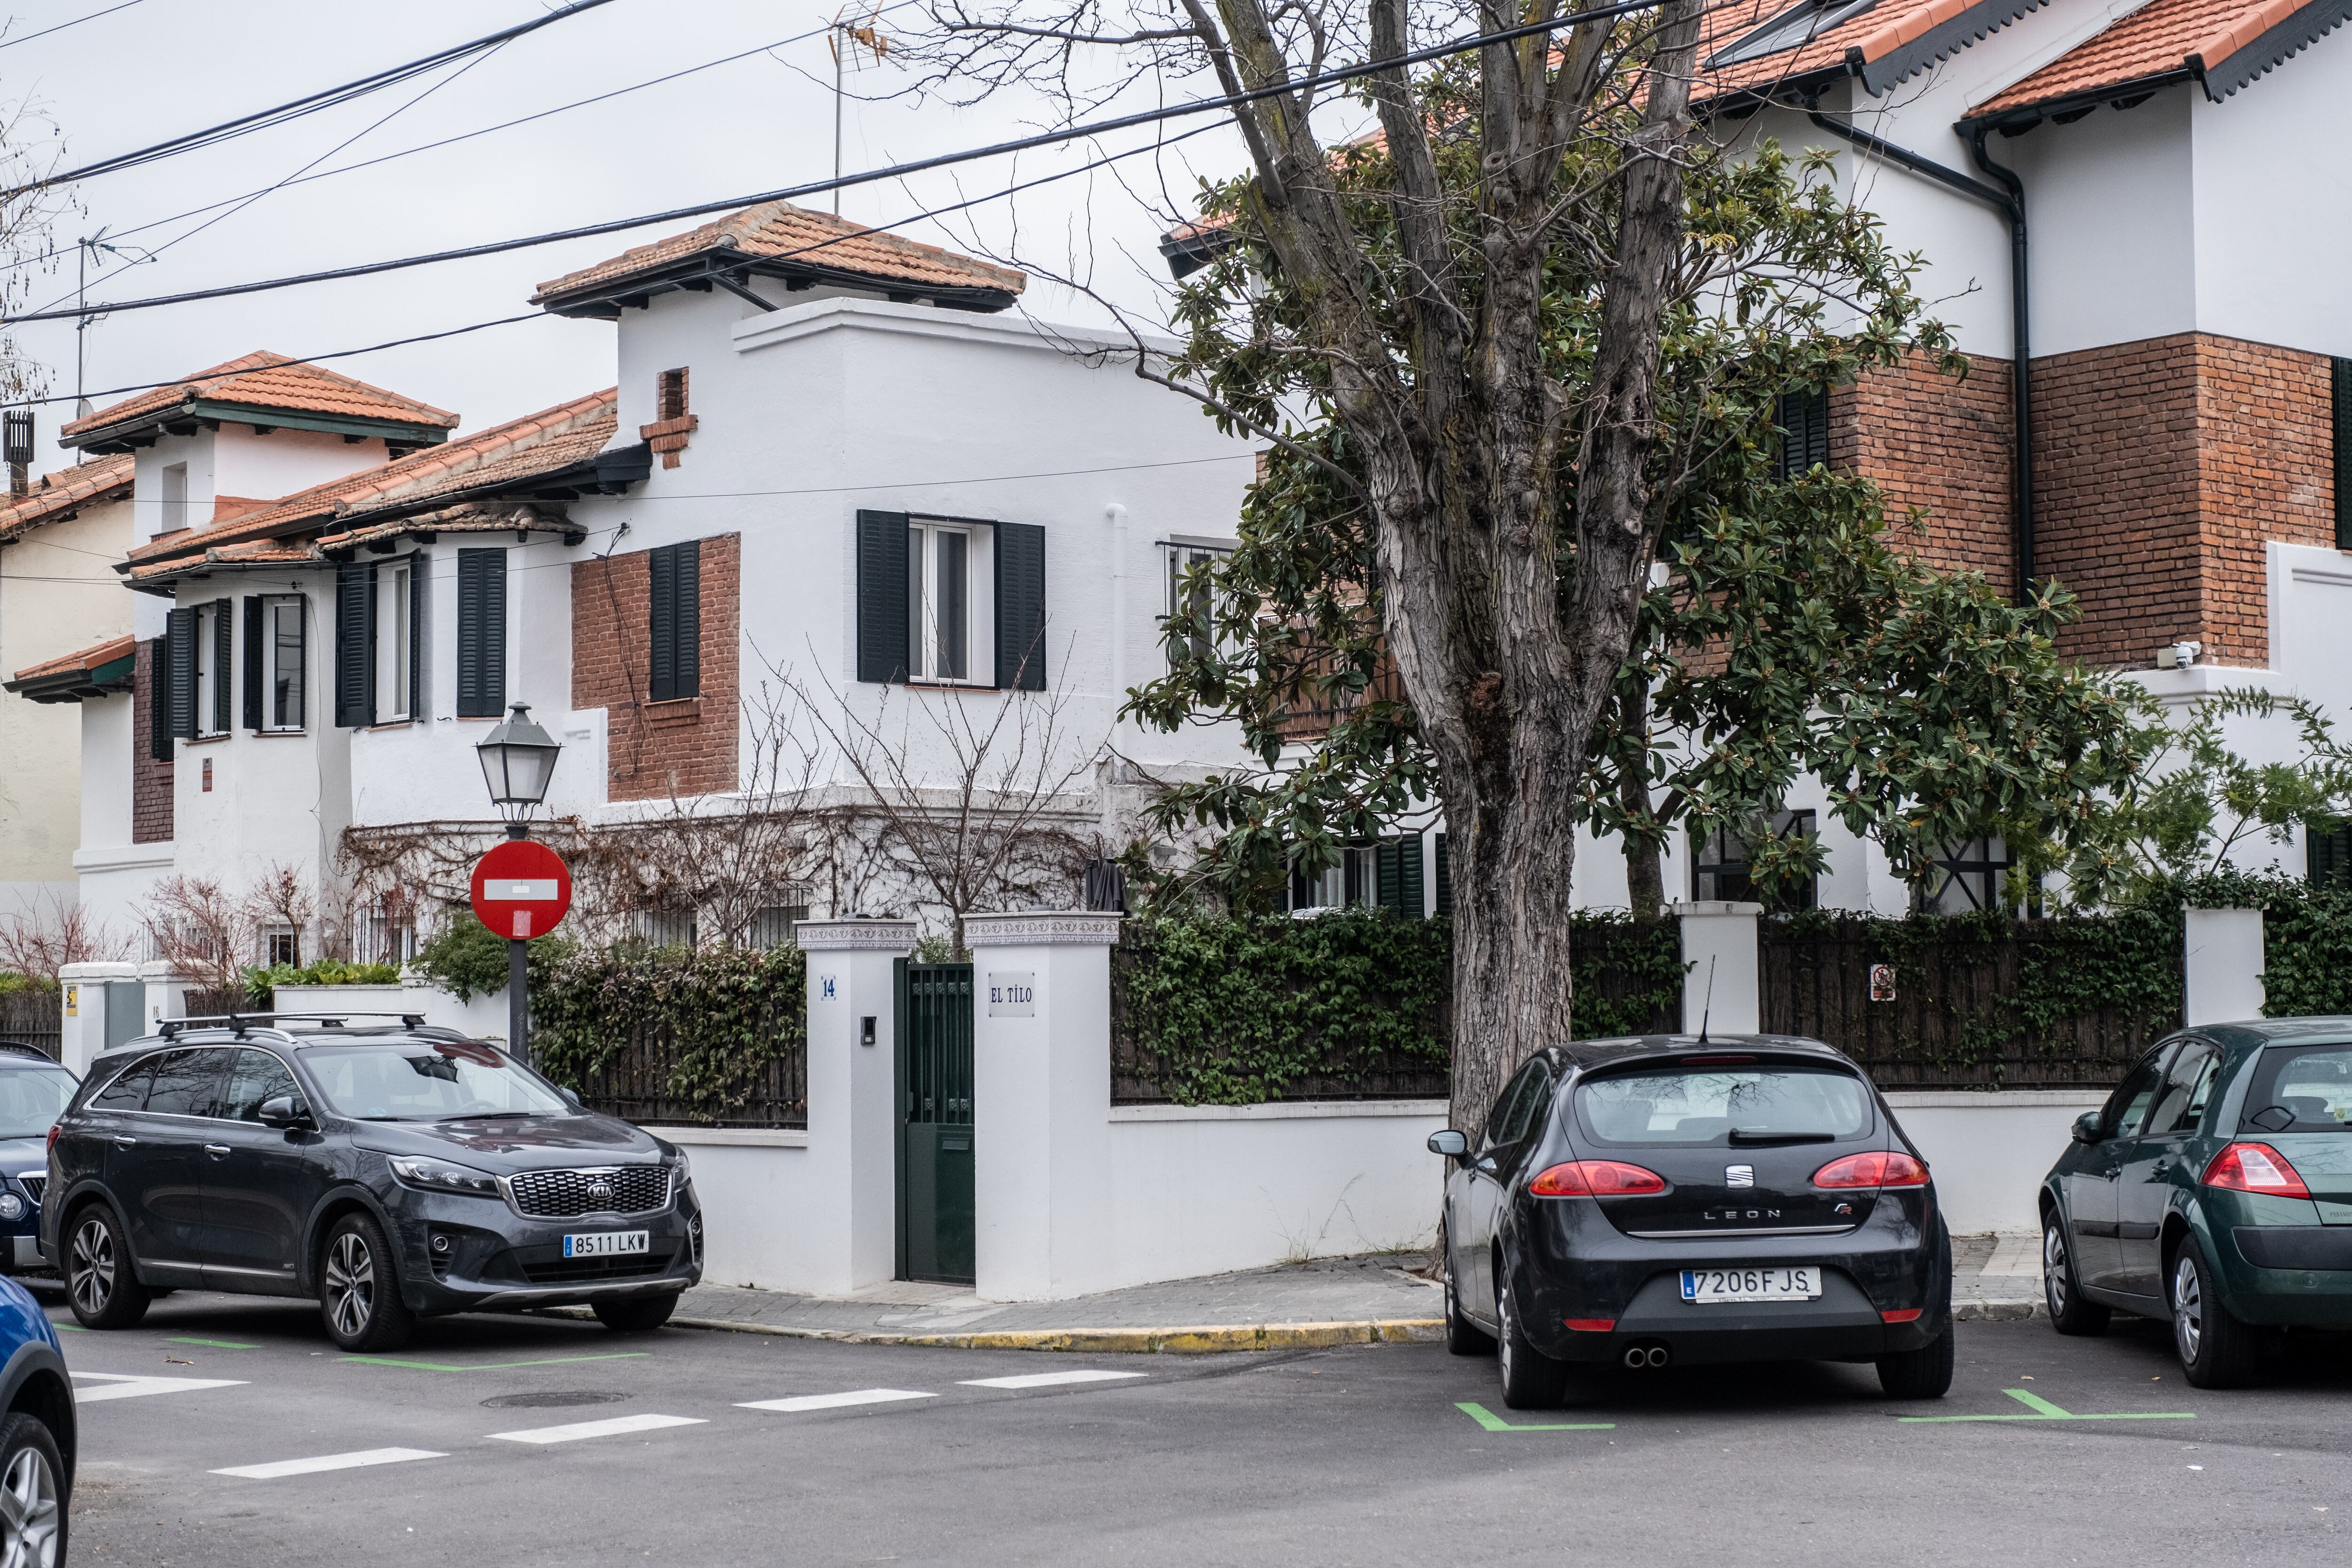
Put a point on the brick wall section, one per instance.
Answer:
(1940, 444)
(657, 748)
(2161, 469)
(151, 781)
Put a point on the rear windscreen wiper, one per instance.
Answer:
(1760, 1135)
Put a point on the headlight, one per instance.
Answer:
(434, 1177)
(11, 1206)
(685, 1168)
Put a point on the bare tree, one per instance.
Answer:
(282, 899)
(47, 933)
(1488, 440)
(973, 798)
(204, 933)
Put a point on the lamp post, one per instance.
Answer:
(517, 760)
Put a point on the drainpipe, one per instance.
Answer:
(2010, 197)
(1116, 516)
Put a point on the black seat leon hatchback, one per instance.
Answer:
(1672, 1200)
(390, 1171)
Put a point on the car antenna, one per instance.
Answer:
(1707, 1008)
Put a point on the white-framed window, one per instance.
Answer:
(944, 593)
(394, 615)
(281, 944)
(284, 659)
(1177, 558)
(1354, 880)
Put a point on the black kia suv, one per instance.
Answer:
(390, 1170)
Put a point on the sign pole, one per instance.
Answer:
(521, 888)
(518, 979)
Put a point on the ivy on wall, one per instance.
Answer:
(676, 1032)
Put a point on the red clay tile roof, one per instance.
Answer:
(262, 380)
(65, 490)
(2222, 43)
(1883, 44)
(535, 444)
(465, 517)
(96, 657)
(777, 231)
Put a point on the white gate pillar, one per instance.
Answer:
(1041, 1098)
(2224, 966)
(851, 1223)
(82, 1022)
(1721, 989)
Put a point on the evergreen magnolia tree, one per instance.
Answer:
(1501, 351)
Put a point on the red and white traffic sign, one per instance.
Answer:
(521, 888)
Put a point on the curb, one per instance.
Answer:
(1996, 1311)
(1101, 1342)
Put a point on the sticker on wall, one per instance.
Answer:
(1013, 995)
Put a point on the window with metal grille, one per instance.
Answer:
(676, 621)
(1970, 874)
(1721, 859)
(1804, 419)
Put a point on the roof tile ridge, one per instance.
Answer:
(2244, 28)
(1911, 25)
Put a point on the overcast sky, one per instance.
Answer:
(163, 67)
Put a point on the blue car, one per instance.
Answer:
(33, 1092)
(37, 1434)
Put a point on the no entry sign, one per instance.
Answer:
(521, 888)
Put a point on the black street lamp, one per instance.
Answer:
(517, 760)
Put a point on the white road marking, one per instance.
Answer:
(125, 1385)
(1047, 1378)
(835, 1401)
(612, 1429)
(270, 1472)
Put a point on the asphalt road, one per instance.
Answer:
(1356, 1456)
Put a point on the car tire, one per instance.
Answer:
(359, 1288)
(636, 1314)
(2216, 1350)
(1531, 1380)
(34, 1494)
(2071, 1311)
(1923, 1373)
(100, 1280)
(1462, 1337)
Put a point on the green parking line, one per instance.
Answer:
(1494, 1422)
(216, 1344)
(488, 1366)
(2045, 1411)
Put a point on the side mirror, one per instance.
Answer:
(1453, 1145)
(280, 1110)
(572, 1098)
(2088, 1129)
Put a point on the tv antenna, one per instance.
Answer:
(846, 38)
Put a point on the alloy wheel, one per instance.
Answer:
(351, 1285)
(29, 1512)
(91, 1267)
(1503, 1341)
(2054, 1268)
(2187, 1306)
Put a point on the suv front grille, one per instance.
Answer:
(574, 1270)
(35, 1185)
(613, 1189)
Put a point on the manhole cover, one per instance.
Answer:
(553, 1396)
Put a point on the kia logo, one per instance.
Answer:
(599, 1188)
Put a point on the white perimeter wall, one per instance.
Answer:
(1989, 1152)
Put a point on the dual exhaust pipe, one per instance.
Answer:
(1646, 1358)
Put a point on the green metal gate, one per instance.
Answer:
(935, 1128)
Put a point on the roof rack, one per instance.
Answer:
(238, 1022)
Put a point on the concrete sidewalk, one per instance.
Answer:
(1368, 1299)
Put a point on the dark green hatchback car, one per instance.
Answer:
(2214, 1188)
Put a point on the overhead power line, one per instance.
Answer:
(61, 26)
(262, 120)
(892, 172)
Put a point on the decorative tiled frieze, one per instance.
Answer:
(1074, 928)
(856, 936)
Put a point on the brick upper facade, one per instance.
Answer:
(656, 749)
(1939, 444)
(150, 777)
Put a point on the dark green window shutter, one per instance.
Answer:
(2340, 384)
(2329, 850)
(224, 661)
(1803, 417)
(482, 633)
(1019, 607)
(255, 653)
(676, 621)
(354, 645)
(1444, 880)
(180, 635)
(420, 704)
(159, 698)
(882, 610)
(1409, 876)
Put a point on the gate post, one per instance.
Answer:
(2223, 965)
(93, 994)
(850, 1225)
(1721, 990)
(1041, 1092)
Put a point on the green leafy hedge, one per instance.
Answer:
(261, 985)
(704, 1035)
(2307, 952)
(468, 958)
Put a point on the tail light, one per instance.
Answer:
(1596, 1179)
(1877, 1169)
(53, 1136)
(2254, 1168)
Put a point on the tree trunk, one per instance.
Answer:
(1645, 877)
